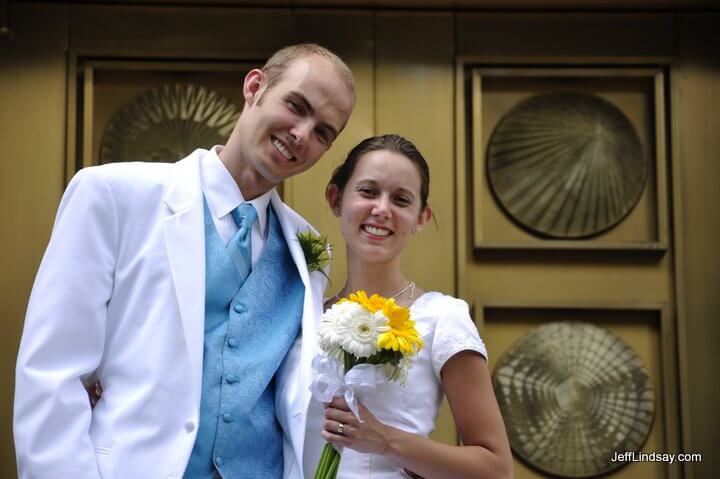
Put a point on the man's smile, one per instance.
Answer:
(279, 146)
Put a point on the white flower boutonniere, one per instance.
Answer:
(316, 250)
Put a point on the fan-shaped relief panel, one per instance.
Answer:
(566, 164)
(572, 395)
(167, 123)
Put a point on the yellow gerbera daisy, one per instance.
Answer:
(373, 304)
(402, 335)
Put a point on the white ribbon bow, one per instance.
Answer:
(330, 380)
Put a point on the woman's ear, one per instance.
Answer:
(332, 193)
(253, 86)
(423, 218)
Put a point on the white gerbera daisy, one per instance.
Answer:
(358, 329)
(328, 327)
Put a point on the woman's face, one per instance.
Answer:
(380, 205)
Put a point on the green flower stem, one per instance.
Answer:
(320, 470)
(334, 466)
(325, 469)
(324, 464)
(329, 461)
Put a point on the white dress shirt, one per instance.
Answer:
(223, 195)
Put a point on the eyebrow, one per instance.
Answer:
(311, 110)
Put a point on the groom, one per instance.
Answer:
(183, 290)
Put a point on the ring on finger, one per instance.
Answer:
(340, 428)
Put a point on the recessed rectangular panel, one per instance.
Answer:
(522, 332)
(567, 157)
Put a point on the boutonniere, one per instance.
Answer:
(316, 250)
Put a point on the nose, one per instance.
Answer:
(300, 133)
(381, 208)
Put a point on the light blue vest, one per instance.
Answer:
(248, 330)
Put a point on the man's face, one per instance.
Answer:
(286, 129)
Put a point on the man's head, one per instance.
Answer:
(281, 60)
(295, 106)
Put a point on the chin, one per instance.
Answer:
(373, 254)
(271, 176)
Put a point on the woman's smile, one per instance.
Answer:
(374, 231)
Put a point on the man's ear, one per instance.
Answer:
(253, 86)
(332, 193)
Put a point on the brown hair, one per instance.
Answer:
(393, 143)
(282, 59)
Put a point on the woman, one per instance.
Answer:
(380, 194)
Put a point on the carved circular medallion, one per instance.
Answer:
(168, 123)
(572, 395)
(566, 165)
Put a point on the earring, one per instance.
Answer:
(417, 229)
(336, 211)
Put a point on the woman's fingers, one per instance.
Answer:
(339, 428)
(338, 402)
(336, 439)
(338, 415)
(342, 428)
(338, 433)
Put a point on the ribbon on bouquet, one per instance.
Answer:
(330, 380)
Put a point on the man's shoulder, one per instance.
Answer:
(296, 219)
(129, 172)
(131, 178)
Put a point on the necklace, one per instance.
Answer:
(410, 286)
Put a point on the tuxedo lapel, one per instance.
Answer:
(185, 243)
(291, 224)
(297, 373)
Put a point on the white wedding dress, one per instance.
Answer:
(447, 329)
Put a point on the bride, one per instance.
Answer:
(380, 194)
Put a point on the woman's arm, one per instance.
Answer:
(485, 452)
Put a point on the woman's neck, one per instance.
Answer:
(385, 279)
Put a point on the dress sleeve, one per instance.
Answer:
(455, 331)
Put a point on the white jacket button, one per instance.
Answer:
(189, 426)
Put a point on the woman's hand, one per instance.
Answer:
(369, 436)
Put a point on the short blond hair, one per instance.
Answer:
(282, 59)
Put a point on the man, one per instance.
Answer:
(182, 288)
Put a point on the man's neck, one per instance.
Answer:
(250, 181)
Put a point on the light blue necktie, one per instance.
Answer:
(239, 248)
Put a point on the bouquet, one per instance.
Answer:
(367, 342)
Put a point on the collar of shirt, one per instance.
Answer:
(223, 194)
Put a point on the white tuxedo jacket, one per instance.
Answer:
(120, 297)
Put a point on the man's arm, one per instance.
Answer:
(64, 334)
